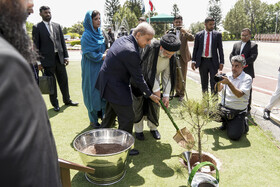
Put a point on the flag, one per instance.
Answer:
(151, 5)
(142, 7)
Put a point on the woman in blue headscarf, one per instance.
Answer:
(93, 54)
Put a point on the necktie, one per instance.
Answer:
(50, 28)
(207, 45)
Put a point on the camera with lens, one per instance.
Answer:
(219, 77)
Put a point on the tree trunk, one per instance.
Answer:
(199, 143)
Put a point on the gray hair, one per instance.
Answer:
(238, 58)
(144, 28)
(247, 29)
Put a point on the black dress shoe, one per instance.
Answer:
(56, 108)
(266, 114)
(155, 134)
(71, 103)
(133, 152)
(139, 135)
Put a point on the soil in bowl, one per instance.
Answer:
(107, 148)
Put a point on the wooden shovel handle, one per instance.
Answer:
(169, 115)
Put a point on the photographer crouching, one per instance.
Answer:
(235, 87)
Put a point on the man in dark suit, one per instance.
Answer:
(122, 63)
(49, 40)
(28, 152)
(250, 51)
(208, 54)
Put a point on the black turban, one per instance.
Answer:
(170, 42)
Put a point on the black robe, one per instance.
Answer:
(145, 106)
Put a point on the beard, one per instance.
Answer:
(12, 19)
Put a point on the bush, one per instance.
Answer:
(76, 42)
(227, 36)
(73, 35)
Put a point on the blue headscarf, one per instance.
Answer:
(91, 39)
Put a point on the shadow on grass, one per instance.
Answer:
(219, 145)
(53, 113)
(152, 154)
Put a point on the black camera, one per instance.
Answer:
(219, 77)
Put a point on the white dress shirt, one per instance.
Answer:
(242, 46)
(210, 44)
(244, 83)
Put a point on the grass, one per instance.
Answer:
(252, 161)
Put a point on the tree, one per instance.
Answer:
(236, 19)
(215, 12)
(111, 7)
(175, 11)
(29, 27)
(65, 30)
(135, 7)
(199, 113)
(77, 28)
(124, 17)
(196, 27)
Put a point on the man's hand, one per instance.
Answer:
(66, 62)
(165, 101)
(221, 66)
(225, 80)
(155, 98)
(40, 67)
(193, 66)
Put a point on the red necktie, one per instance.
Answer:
(207, 45)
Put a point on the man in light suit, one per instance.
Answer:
(184, 54)
(122, 63)
(208, 54)
(250, 51)
(49, 40)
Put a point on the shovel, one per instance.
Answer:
(183, 137)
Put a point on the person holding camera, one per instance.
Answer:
(184, 54)
(235, 88)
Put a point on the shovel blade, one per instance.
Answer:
(184, 138)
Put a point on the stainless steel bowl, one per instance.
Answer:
(109, 168)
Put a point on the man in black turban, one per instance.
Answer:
(159, 68)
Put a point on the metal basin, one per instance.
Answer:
(109, 168)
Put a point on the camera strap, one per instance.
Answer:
(225, 96)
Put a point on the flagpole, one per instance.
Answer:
(149, 17)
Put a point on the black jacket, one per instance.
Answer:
(250, 52)
(45, 43)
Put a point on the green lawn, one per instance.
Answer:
(252, 161)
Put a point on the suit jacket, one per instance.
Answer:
(45, 43)
(27, 144)
(184, 49)
(122, 62)
(250, 52)
(216, 47)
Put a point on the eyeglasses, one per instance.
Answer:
(244, 36)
